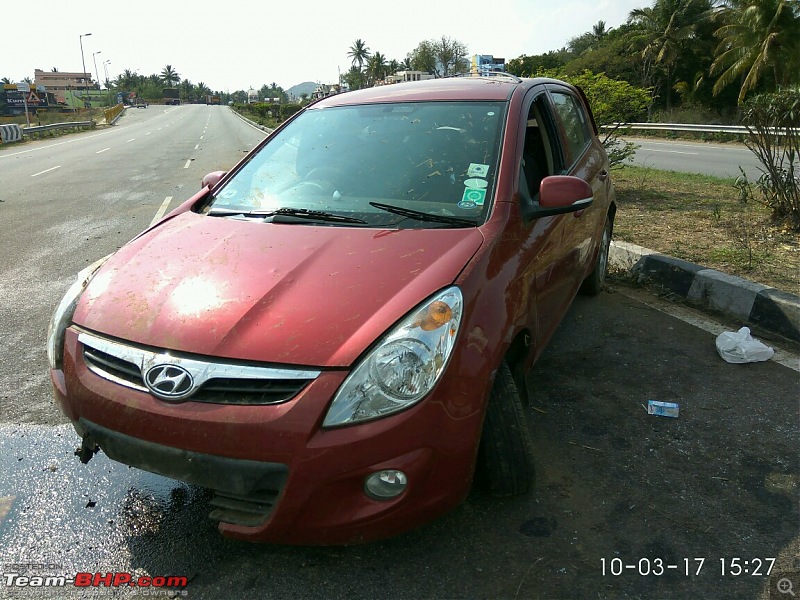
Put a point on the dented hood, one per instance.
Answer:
(293, 294)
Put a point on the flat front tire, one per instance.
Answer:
(505, 457)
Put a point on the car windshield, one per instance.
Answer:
(389, 165)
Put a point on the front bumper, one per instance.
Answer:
(277, 474)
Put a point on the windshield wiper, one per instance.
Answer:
(300, 213)
(423, 216)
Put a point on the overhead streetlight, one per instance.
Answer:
(105, 68)
(96, 72)
(83, 62)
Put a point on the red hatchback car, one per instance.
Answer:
(333, 335)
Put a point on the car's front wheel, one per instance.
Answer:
(505, 457)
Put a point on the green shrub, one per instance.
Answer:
(773, 122)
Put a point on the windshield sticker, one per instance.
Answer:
(467, 204)
(477, 170)
(473, 196)
(476, 183)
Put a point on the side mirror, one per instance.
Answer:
(558, 195)
(212, 179)
(564, 191)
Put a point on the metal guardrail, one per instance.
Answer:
(41, 128)
(734, 129)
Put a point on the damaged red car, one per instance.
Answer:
(334, 335)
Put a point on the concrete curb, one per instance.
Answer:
(753, 303)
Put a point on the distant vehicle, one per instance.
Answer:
(211, 99)
(171, 96)
(139, 102)
(252, 97)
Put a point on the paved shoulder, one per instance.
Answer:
(775, 310)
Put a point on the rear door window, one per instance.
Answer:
(575, 122)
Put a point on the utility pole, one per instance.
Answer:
(83, 62)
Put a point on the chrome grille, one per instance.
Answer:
(215, 381)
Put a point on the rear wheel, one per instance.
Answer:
(593, 284)
(505, 458)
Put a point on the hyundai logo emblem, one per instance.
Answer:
(169, 382)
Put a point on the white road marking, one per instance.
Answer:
(148, 133)
(103, 150)
(188, 162)
(668, 151)
(201, 137)
(72, 141)
(197, 147)
(130, 140)
(162, 209)
(46, 171)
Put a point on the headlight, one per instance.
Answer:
(62, 316)
(404, 366)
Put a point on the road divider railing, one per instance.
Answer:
(112, 114)
(27, 131)
(686, 127)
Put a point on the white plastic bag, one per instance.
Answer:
(741, 347)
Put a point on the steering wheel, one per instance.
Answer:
(329, 179)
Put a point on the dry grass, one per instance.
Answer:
(701, 219)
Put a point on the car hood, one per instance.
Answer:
(292, 294)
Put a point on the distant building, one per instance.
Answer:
(323, 90)
(403, 76)
(483, 63)
(60, 83)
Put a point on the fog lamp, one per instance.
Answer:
(385, 485)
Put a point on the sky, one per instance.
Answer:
(233, 46)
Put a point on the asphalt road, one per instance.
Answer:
(719, 160)
(68, 201)
(618, 490)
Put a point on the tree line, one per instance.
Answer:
(701, 57)
(704, 56)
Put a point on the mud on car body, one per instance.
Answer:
(333, 335)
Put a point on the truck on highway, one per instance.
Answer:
(171, 96)
(213, 99)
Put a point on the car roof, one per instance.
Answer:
(450, 88)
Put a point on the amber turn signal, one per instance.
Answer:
(434, 316)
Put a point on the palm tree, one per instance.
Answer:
(359, 53)
(599, 30)
(170, 76)
(188, 90)
(376, 67)
(127, 80)
(668, 26)
(757, 37)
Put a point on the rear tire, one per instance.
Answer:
(593, 284)
(505, 457)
